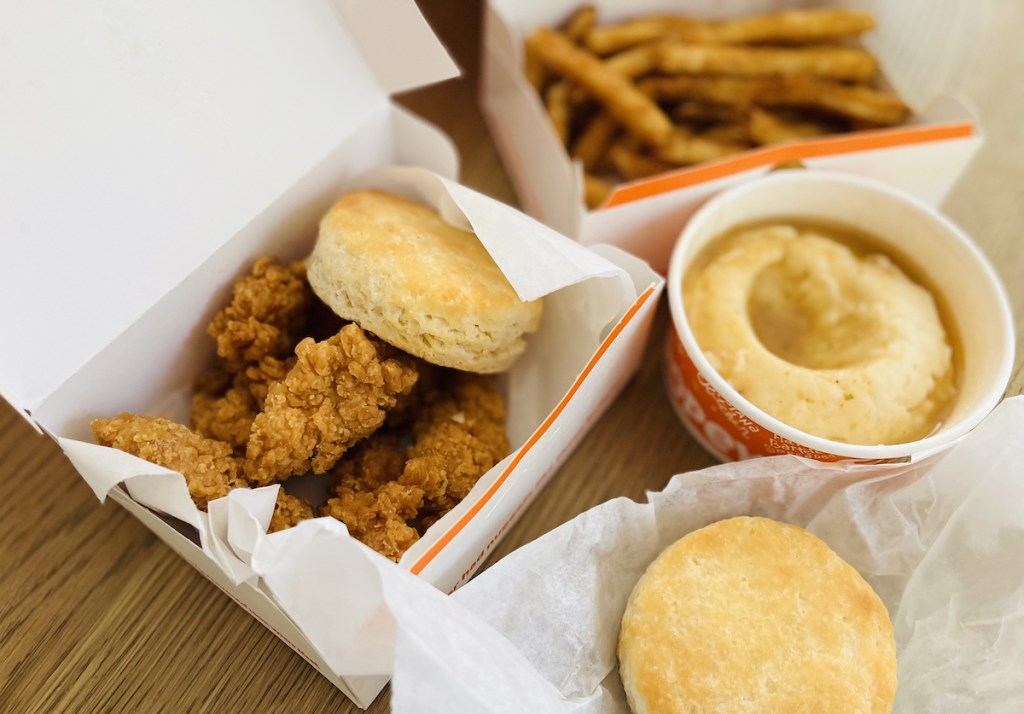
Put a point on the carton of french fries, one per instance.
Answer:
(636, 113)
(135, 218)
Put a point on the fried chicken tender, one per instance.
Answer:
(336, 394)
(379, 518)
(289, 511)
(373, 462)
(225, 410)
(259, 376)
(458, 436)
(226, 418)
(376, 509)
(266, 316)
(209, 468)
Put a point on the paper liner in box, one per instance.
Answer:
(254, 601)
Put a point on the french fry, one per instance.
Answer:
(631, 63)
(834, 62)
(593, 142)
(794, 26)
(556, 100)
(855, 102)
(689, 112)
(633, 165)
(581, 22)
(613, 38)
(736, 132)
(636, 61)
(637, 113)
(684, 148)
(595, 190)
(766, 127)
(533, 68)
(863, 125)
(724, 91)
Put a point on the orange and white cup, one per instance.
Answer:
(732, 428)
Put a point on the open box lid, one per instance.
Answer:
(136, 139)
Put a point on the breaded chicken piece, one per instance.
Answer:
(368, 500)
(259, 376)
(289, 511)
(209, 468)
(226, 418)
(227, 413)
(254, 335)
(373, 462)
(459, 435)
(266, 316)
(336, 394)
(379, 518)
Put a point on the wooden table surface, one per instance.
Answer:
(96, 614)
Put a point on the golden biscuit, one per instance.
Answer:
(752, 615)
(396, 268)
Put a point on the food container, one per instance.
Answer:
(923, 157)
(732, 428)
(188, 155)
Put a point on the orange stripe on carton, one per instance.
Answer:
(831, 146)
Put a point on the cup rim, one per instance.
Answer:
(919, 447)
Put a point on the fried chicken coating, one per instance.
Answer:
(373, 462)
(266, 316)
(379, 518)
(289, 511)
(459, 435)
(209, 468)
(226, 412)
(336, 394)
(227, 417)
(259, 376)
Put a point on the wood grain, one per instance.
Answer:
(97, 615)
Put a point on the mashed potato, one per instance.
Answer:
(836, 344)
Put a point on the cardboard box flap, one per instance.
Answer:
(397, 43)
(137, 139)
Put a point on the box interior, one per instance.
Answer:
(137, 141)
(149, 368)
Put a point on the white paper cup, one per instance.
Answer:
(732, 428)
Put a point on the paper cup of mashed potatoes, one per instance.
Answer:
(832, 317)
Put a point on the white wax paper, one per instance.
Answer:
(941, 541)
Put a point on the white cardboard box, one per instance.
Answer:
(922, 47)
(151, 156)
